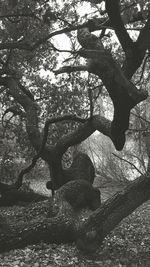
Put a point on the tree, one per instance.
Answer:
(22, 53)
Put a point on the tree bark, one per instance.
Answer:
(67, 226)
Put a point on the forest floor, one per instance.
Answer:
(128, 245)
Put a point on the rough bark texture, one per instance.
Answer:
(11, 196)
(123, 93)
(81, 168)
(62, 227)
(67, 226)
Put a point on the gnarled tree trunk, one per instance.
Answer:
(66, 224)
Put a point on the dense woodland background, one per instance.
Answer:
(74, 77)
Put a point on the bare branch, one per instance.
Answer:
(135, 51)
(66, 117)
(44, 140)
(128, 163)
(113, 11)
(61, 50)
(29, 106)
(94, 1)
(93, 25)
(32, 15)
(140, 117)
(97, 122)
(123, 93)
(69, 69)
(143, 69)
(90, 100)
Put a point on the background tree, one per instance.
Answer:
(29, 46)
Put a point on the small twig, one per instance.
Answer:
(90, 99)
(8, 16)
(61, 50)
(132, 164)
(140, 117)
(8, 58)
(138, 130)
(143, 68)
(69, 69)
(134, 29)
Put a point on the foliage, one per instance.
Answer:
(68, 93)
(42, 44)
(53, 97)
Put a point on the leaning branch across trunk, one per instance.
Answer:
(66, 227)
(119, 206)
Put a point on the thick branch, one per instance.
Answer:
(105, 218)
(52, 154)
(62, 143)
(66, 225)
(77, 136)
(113, 10)
(93, 25)
(135, 51)
(29, 106)
(26, 46)
(47, 230)
(69, 69)
(84, 131)
(122, 92)
(44, 140)
(135, 56)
